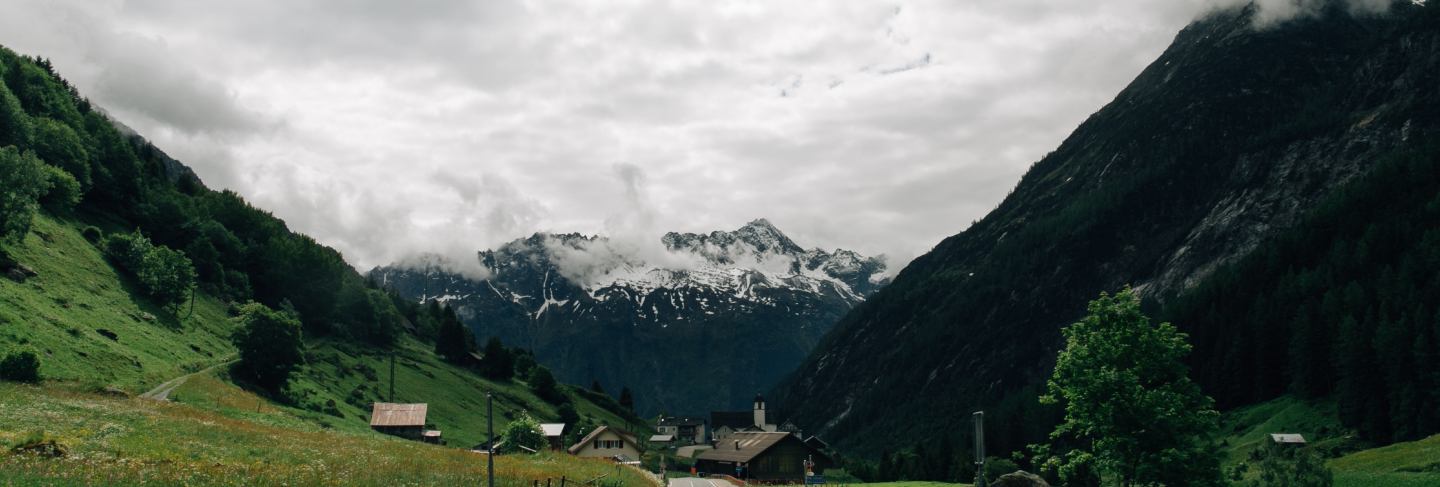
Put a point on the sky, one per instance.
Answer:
(386, 129)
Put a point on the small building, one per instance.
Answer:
(1287, 439)
(764, 456)
(662, 440)
(554, 434)
(607, 442)
(726, 423)
(686, 430)
(816, 443)
(403, 420)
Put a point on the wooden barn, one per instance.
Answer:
(403, 420)
(772, 457)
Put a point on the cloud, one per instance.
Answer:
(395, 129)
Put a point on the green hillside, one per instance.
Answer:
(88, 325)
(108, 322)
(113, 440)
(1415, 463)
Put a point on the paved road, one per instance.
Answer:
(699, 482)
(162, 391)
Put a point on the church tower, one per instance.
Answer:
(759, 411)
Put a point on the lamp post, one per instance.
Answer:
(980, 448)
(490, 447)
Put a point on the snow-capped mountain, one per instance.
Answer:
(700, 319)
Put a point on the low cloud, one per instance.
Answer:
(394, 131)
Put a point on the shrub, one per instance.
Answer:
(21, 366)
(523, 431)
(92, 234)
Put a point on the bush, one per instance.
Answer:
(22, 366)
(92, 234)
(163, 274)
(524, 431)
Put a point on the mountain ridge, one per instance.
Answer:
(554, 293)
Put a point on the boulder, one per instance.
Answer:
(1019, 478)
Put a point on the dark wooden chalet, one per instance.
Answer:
(772, 457)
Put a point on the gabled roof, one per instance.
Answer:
(392, 414)
(552, 429)
(1287, 438)
(662, 438)
(816, 442)
(625, 436)
(744, 446)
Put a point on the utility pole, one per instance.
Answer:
(392, 376)
(490, 426)
(980, 448)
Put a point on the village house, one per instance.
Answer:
(554, 435)
(607, 442)
(685, 430)
(770, 457)
(403, 420)
(723, 424)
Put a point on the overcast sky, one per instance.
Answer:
(385, 128)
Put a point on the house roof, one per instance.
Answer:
(431, 433)
(661, 438)
(552, 429)
(392, 414)
(625, 436)
(680, 421)
(734, 419)
(744, 446)
(1287, 438)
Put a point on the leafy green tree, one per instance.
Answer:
(15, 127)
(1132, 415)
(498, 364)
(627, 399)
(21, 366)
(58, 145)
(1291, 466)
(453, 341)
(63, 193)
(567, 414)
(523, 431)
(270, 346)
(22, 181)
(163, 274)
(542, 382)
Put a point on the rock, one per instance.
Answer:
(1019, 478)
(15, 274)
(26, 270)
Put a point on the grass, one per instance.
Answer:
(94, 332)
(1408, 464)
(69, 313)
(129, 441)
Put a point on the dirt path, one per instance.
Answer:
(162, 391)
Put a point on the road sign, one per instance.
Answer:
(815, 480)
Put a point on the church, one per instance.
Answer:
(726, 423)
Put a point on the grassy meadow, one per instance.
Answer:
(112, 440)
(100, 343)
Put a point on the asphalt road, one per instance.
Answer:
(699, 482)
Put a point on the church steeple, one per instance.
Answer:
(759, 411)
